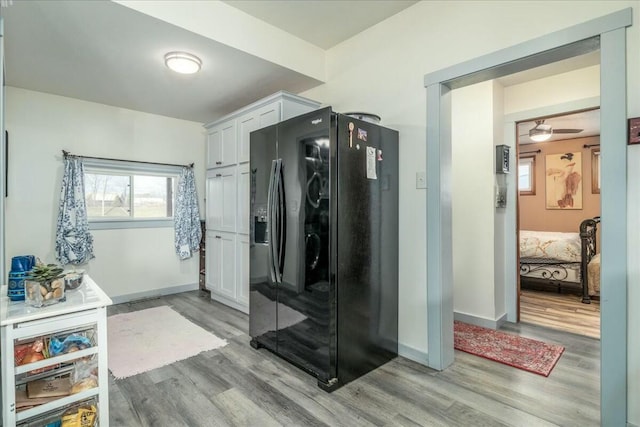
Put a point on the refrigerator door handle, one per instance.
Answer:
(282, 222)
(271, 221)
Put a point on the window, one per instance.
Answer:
(527, 175)
(129, 195)
(595, 171)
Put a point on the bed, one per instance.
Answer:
(561, 261)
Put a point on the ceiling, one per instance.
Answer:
(324, 23)
(106, 52)
(111, 53)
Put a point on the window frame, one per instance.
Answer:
(531, 159)
(117, 167)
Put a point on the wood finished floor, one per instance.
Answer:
(239, 386)
(564, 312)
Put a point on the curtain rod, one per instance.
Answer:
(68, 154)
(529, 152)
(590, 145)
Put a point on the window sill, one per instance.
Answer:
(127, 223)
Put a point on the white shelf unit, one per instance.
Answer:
(228, 186)
(83, 310)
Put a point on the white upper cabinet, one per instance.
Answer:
(257, 119)
(221, 145)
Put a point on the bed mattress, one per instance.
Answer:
(550, 245)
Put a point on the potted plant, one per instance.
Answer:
(44, 285)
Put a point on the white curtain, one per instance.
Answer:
(187, 216)
(74, 243)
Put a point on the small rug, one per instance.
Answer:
(148, 339)
(522, 353)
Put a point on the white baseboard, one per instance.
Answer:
(480, 321)
(631, 424)
(413, 354)
(154, 293)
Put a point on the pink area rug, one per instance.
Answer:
(148, 339)
(522, 353)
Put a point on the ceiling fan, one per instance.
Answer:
(542, 132)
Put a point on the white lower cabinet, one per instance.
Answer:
(222, 260)
(242, 251)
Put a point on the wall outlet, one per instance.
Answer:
(421, 180)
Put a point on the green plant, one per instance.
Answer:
(45, 273)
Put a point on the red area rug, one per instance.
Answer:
(522, 353)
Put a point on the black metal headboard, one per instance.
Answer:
(588, 231)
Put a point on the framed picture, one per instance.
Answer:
(634, 130)
(563, 179)
(595, 170)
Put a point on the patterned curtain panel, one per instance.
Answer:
(187, 216)
(74, 243)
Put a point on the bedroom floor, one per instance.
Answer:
(562, 312)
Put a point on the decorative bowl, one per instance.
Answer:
(73, 279)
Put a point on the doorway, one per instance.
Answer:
(558, 212)
(607, 34)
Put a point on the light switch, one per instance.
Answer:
(421, 180)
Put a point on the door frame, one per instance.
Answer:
(608, 34)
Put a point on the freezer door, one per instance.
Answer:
(262, 275)
(306, 329)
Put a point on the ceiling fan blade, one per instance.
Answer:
(567, 130)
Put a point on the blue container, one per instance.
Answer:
(21, 266)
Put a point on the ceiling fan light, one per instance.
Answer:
(182, 62)
(540, 135)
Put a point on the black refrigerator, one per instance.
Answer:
(324, 244)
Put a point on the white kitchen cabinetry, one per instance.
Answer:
(221, 145)
(228, 189)
(244, 184)
(222, 193)
(84, 311)
(221, 266)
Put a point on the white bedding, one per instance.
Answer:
(549, 244)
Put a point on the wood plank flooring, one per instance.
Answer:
(239, 386)
(564, 312)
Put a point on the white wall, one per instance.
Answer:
(40, 125)
(473, 199)
(559, 89)
(382, 69)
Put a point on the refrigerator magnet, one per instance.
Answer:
(371, 163)
(351, 127)
(379, 155)
(362, 134)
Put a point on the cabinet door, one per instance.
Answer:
(221, 199)
(221, 145)
(212, 269)
(242, 260)
(244, 185)
(223, 261)
(257, 119)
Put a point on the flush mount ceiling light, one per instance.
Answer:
(182, 62)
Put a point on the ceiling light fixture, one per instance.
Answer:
(540, 132)
(182, 62)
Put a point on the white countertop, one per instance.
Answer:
(87, 296)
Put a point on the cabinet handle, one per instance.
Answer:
(218, 237)
(218, 163)
(218, 174)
